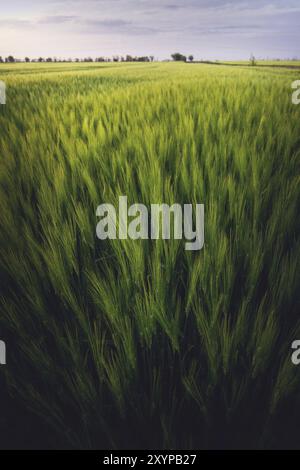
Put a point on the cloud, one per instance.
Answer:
(56, 19)
(15, 23)
(116, 26)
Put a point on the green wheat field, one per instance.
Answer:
(141, 344)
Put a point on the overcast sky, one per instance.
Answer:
(212, 29)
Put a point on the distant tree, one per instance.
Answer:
(49, 59)
(151, 57)
(253, 60)
(1, 60)
(40, 59)
(116, 58)
(27, 59)
(141, 59)
(191, 58)
(10, 59)
(177, 57)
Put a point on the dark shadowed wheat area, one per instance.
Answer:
(123, 344)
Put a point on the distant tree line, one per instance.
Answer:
(128, 58)
(177, 57)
